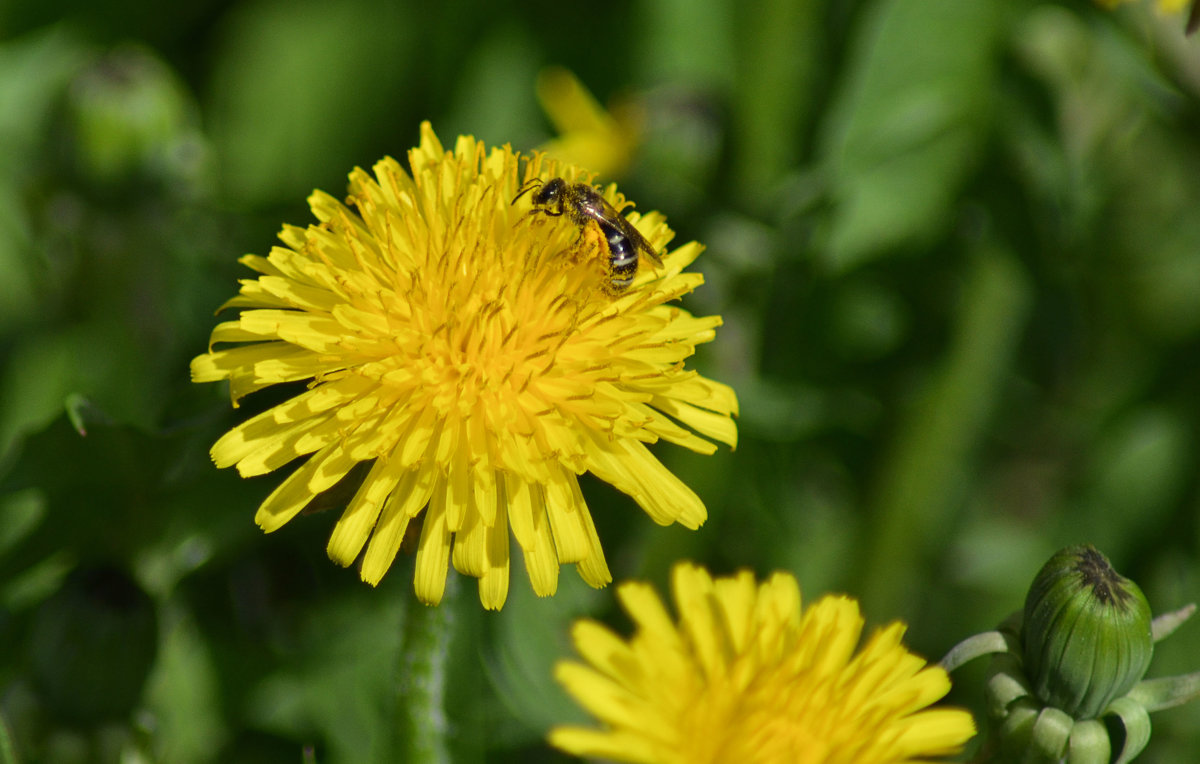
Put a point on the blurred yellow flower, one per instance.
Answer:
(1164, 6)
(470, 357)
(746, 676)
(589, 136)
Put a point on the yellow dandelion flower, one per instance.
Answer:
(746, 676)
(473, 359)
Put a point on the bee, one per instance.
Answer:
(583, 204)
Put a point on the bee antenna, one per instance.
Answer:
(525, 188)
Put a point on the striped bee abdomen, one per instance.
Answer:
(622, 256)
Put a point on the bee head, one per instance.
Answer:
(549, 194)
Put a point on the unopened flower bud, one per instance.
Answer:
(130, 117)
(1086, 633)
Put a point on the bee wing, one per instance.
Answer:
(591, 204)
(639, 241)
(601, 209)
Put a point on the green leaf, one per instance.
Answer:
(907, 124)
(932, 454)
(34, 72)
(299, 87)
(532, 634)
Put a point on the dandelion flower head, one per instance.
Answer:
(468, 360)
(747, 676)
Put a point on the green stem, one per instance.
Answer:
(8, 754)
(918, 494)
(422, 724)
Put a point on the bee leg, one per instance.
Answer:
(578, 247)
(587, 244)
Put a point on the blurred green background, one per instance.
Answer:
(955, 244)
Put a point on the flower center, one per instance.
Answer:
(496, 299)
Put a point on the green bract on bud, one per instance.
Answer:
(1086, 633)
(1065, 680)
